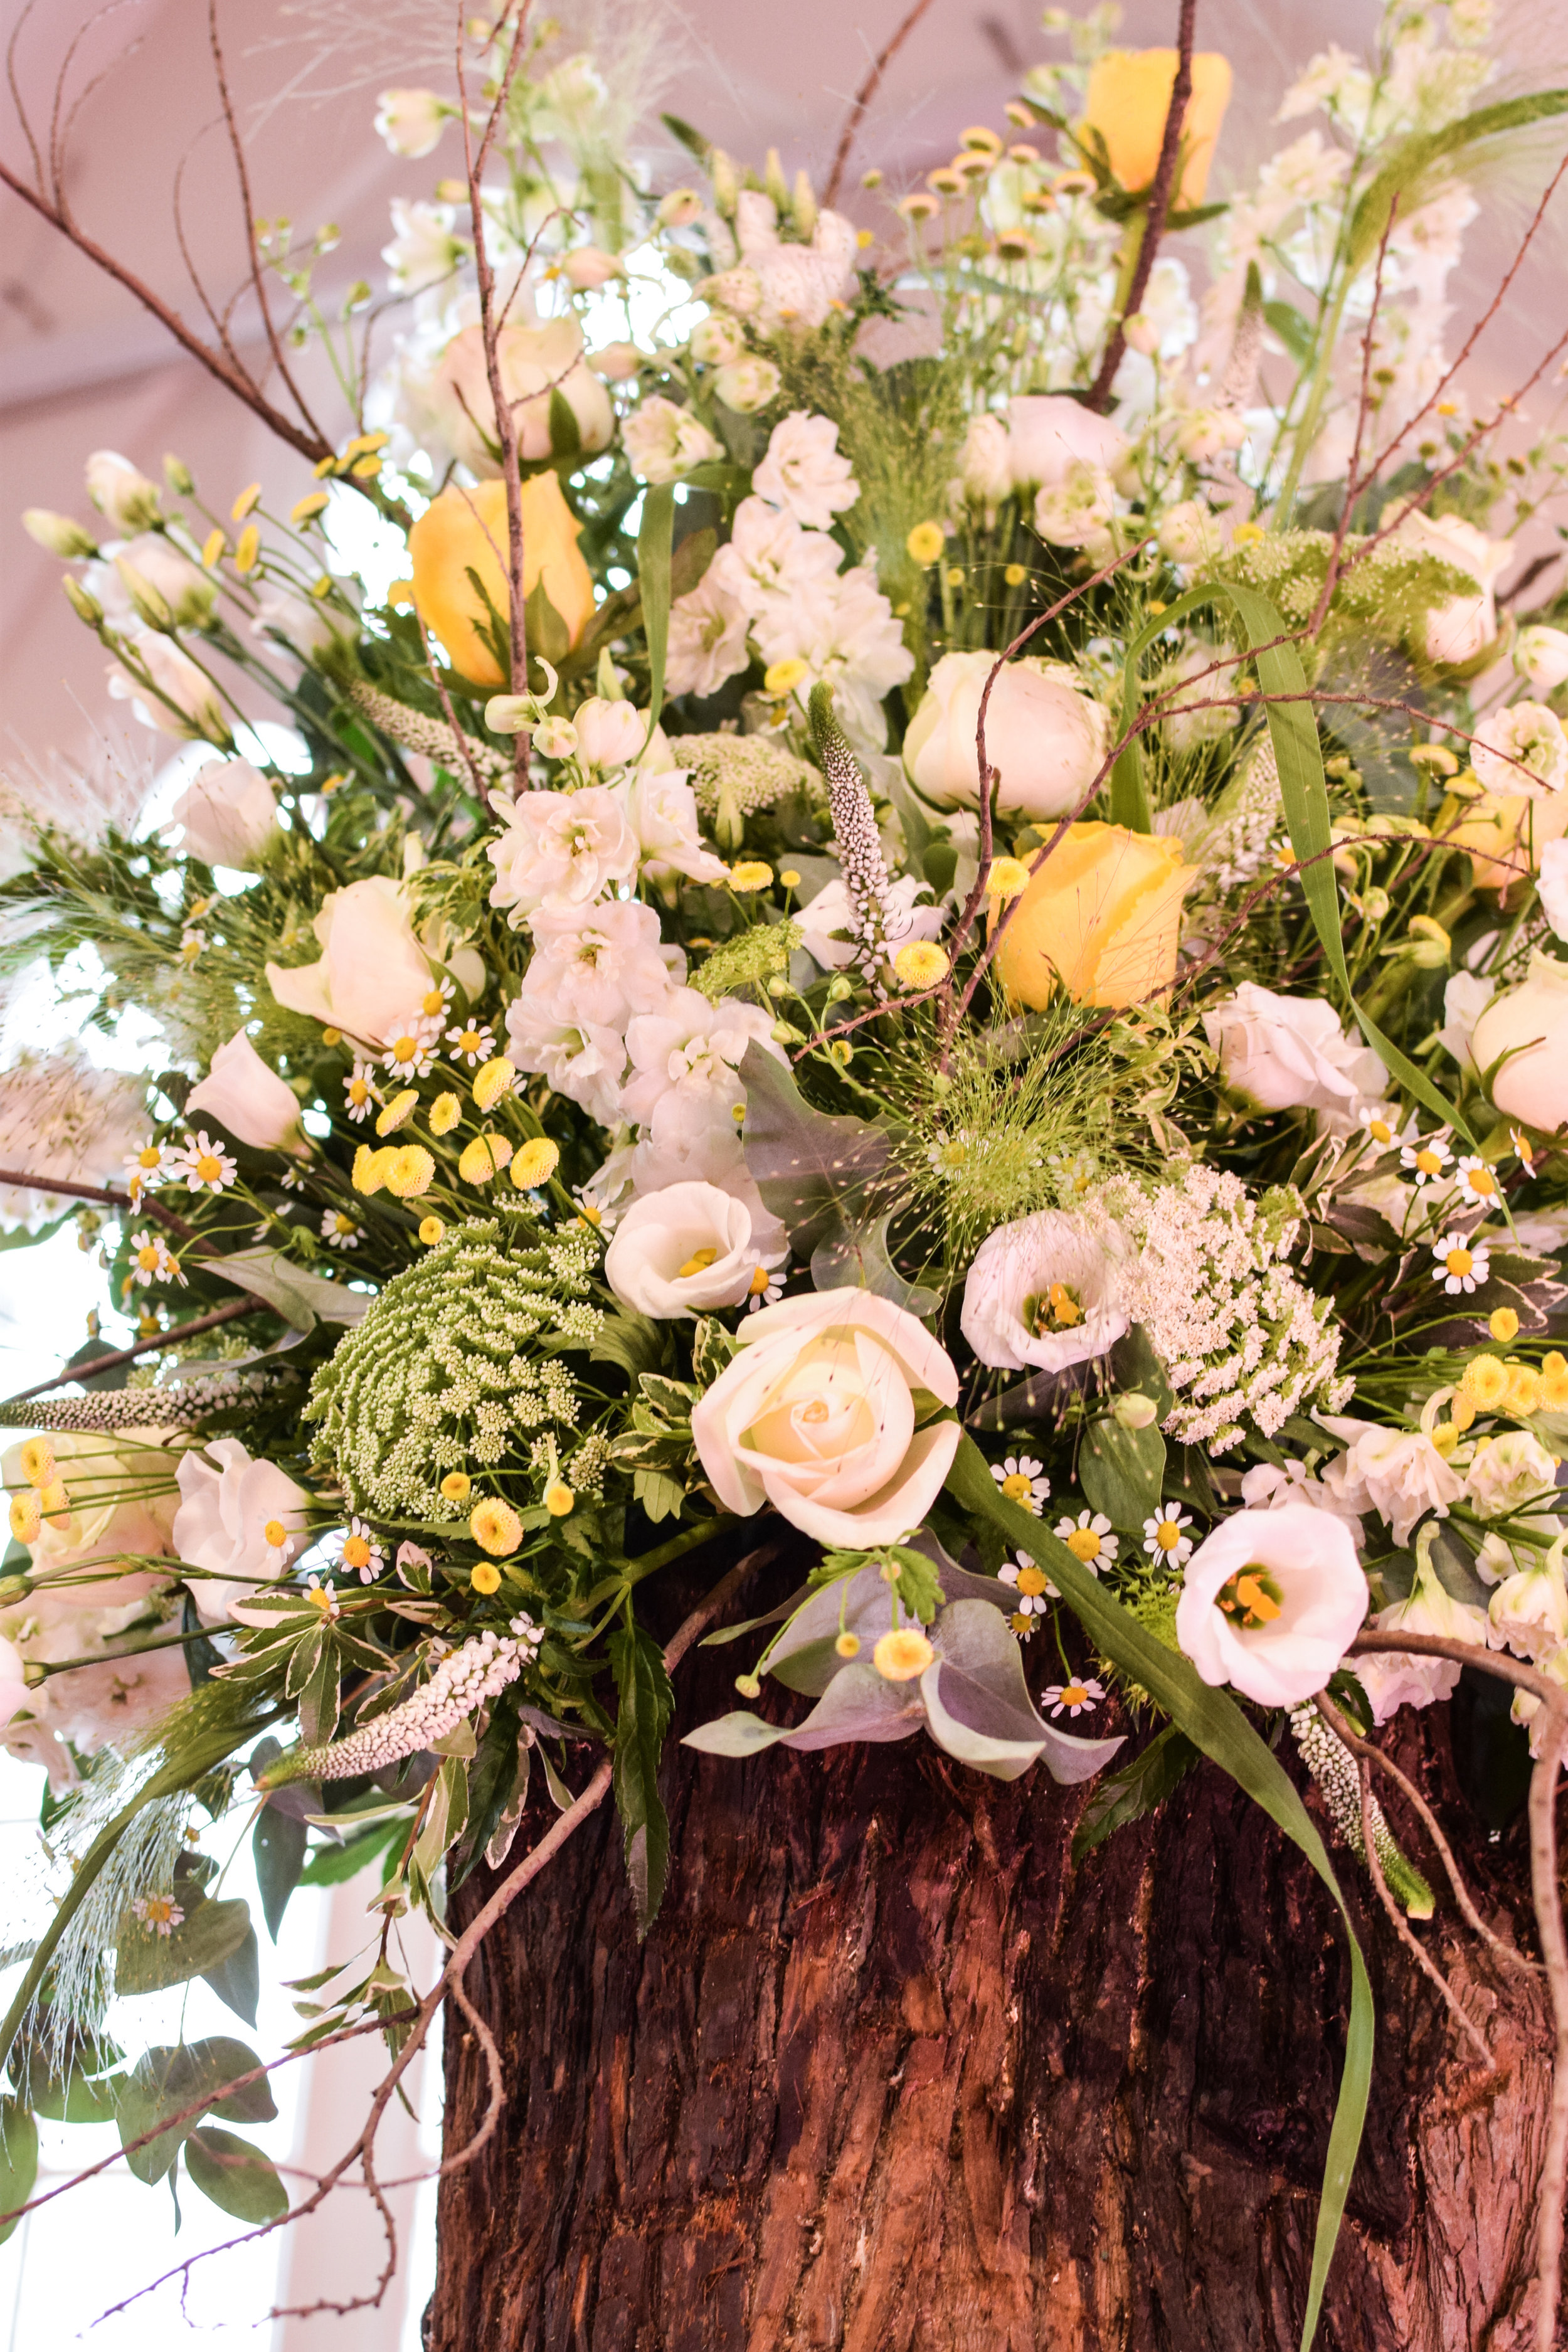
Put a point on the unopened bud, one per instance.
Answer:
(839, 989)
(803, 202)
(59, 533)
(1133, 1411)
(726, 184)
(151, 605)
(680, 208)
(179, 476)
(748, 1686)
(85, 606)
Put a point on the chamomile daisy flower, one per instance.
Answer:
(1023, 1481)
(411, 1044)
(1078, 1697)
(341, 1231)
(1088, 1538)
(1030, 1582)
(204, 1165)
(145, 1167)
(322, 1596)
(1377, 1126)
(159, 1912)
(361, 1549)
(359, 1097)
(1462, 1264)
(436, 1000)
(151, 1260)
(765, 1290)
(1475, 1182)
(1427, 1160)
(472, 1042)
(1163, 1537)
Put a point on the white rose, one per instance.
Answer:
(1288, 1052)
(1270, 1603)
(804, 471)
(664, 442)
(985, 461)
(1541, 655)
(118, 490)
(1045, 741)
(1397, 1678)
(685, 1251)
(1201, 716)
(372, 971)
(817, 1417)
(561, 851)
(1515, 1469)
(1462, 628)
(244, 1523)
(1553, 884)
(229, 815)
(1465, 998)
(1051, 437)
(745, 386)
(535, 363)
(1397, 1472)
(1530, 1024)
(1529, 1611)
(185, 701)
(1044, 1292)
(248, 1098)
(1521, 749)
(412, 120)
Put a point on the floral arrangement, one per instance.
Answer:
(925, 910)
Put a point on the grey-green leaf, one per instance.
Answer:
(235, 2174)
(145, 1961)
(18, 2159)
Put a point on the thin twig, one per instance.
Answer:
(146, 1207)
(863, 97)
(1158, 204)
(1353, 487)
(248, 1305)
(1402, 1926)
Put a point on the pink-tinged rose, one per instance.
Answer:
(1045, 741)
(817, 1417)
(229, 815)
(248, 1098)
(1272, 1601)
(373, 970)
(1051, 436)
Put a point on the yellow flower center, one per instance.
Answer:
(470, 1041)
(432, 1002)
(1073, 1695)
(149, 1157)
(275, 1534)
(320, 1597)
(759, 1282)
(147, 1259)
(1251, 1598)
(1459, 1262)
(358, 1092)
(1032, 1580)
(952, 1155)
(356, 1552)
(698, 1263)
(1057, 1310)
(1380, 1130)
(405, 1049)
(1167, 1535)
(1429, 1162)
(1019, 1489)
(1084, 1544)
(1482, 1181)
(208, 1169)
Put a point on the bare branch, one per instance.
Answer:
(863, 97)
(1157, 205)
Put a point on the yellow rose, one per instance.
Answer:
(1104, 915)
(465, 531)
(1491, 831)
(1128, 99)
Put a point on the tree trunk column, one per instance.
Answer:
(889, 2073)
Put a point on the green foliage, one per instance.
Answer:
(235, 2174)
(18, 2159)
(1134, 1789)
(208, 1938)
(190, 2076)
(645, 1704)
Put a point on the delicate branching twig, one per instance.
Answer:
(1353, 489)
(1156, 205)
(1402, 1926)
(863, 97)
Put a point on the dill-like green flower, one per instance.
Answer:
(752, 955)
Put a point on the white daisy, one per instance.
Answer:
(361, 1550)
(145, 1167)
(765, 1290)
(324, 1598)
(436, 1000)
(151, 1260)
(1088, 1538)
(1030, 1582)
(360, 1096)
(1462, 1263)
(204, 1165)
(341, 1230)
(1377, 1126)
(1162, 1535)
(1477, 1181)
(1427, 1161)
(471, 1042)
(1078, 1697)
(1023, 1481)
(951, 1153)
(411, 1044)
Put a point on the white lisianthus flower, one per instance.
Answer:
(1541, 655)
(1045, 738)
(561, 851)
(1051, 437)
(424, 252)
(412, 120)
(185, 702)
(817, 1417)
(1530, 1026)
(119, 491)
(1397, 1472)
(1521, 749)
(661, 809)
(1510, 1472)
(664, 442)
(685, 1251)
(244, 1523)
(248, 1098)
(596, 966)
(1528, 1611)
(747, 385)
(1271, 1486)
(229, 815)
(1289, 1053)
(1045, 1293)
(1270, 1603)
(985, 461)
(804, 471)
(716, 340)
(1397, 1678)
(372, 969)
(707, 638)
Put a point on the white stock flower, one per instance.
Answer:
(1044, 740)
(412, 120)
(849, 640)
(594, 966)
(1541, 655)
(243, 1522)
(1045, 1293)
(372, 967)
(1508, 1473)
(583, 1062)
(692, 1049)
(664, 442)
(1289, 1053)
(424, 252)
(817, 1417)
(707, 638)
(685, 1250)
(247, 1097)
(1397, 1678)
(661, 809)
(804, 471)
(1273, 1486)
(799, 283)
(1050, 438)
(772, 569)
(1270, 1603)
(1521, 749)
(1397, 1472)
(1530, 1026)
(229, 815)
(561, 851)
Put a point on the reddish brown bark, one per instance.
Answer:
(891, 2075)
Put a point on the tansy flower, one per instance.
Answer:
(1523, 1391)
(471, 1044)
(399, 1109)
(497, 1078)
(145, 1167)
(1006, 877)
(495, 1526)
(1461, 1264)
(1032, 1585)
(27, 1519)
(411, 1171)
(483, 1158)
(369, 1172)
(921, 964)
(484, 1577)
(359, 1093)
(925, 543)
(1023, 1481)
(764, 1290)
(1504, 1324)
(341, 1231)
(204, 1164)
(1088, 1538)
(457, 1486)
(1476, 1180)
(430, 1231)
(1163, 1538)
(559, 1499)
(411, 1048)
(361, 1551)
(38, 1461)
(1554, 1382)
(1073, 1698)
(751, 873)
(1484, 1382)
(784, 677)
(1426, 1160)
(152, 1261)
(159, 1912)
(445, 1113)
(535, 1163)
(899, 1656)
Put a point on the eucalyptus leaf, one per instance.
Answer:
(208, 1936)
(237, 1980)
(235, 2174)
(978, 1706)
(858, 1254)
(18, 2159)
(167, 2081)
(302, 1299)
(817, 1174)
(278, 1843)
(1122, 1472)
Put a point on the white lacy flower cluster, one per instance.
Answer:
(1240, 1338)
(465, 1679)
(776, 587)
(62, 1117)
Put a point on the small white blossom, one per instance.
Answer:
(1164, 1538)
(1462, 1263)
(468, 1675)
(204, 1164)
(1077, 1698)
(1023, 1481)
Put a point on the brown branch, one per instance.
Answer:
(863, 97)
(1403, 1928)
(1353, 487)
(1156, 205)
(146, 1207)
(481, 791)
(248, 1305)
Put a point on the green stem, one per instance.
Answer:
(650, 1561)
(1305, 432)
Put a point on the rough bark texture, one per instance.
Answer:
(889, 2073)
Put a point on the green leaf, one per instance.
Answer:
(1212, 1722)
(1418, 153)
(642, 1717)
(548, 635)
(167, 2081)
(75, 2100)
(318, 1700)
(1122, 1473)
(237, 1980)
(1135, 1788)
(633, 1341)
(302, 1299)
(235, 2174)
(713, 1349)
(20, 1238)
(277, 1843)
(858, 1254)
(18, 2159)
(815, 1172)
(209, 1936)
(659, 1495)
(1294, 331)
(333, 1865)
(654, 540)
(565, 434)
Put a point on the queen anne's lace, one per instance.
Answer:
(463, 1681)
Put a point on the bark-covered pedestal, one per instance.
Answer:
(891, 2073)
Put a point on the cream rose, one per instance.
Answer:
(229, 815)
(1288, 1052)
(536, 363)
(1051, 435)
(373, 970)
(1044, 1292)
(1530, 1025)
(248, 1098)
(685, 1251)
(817, 1417)
(244, 1523)
(1045, 741)
(1270, 1603)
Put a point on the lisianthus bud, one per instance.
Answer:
(58, 532)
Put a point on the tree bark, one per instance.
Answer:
(891, 2073)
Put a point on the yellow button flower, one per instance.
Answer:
(431, 1230)
(535, 1163)
(494, 1080)
(397, 1110)
(900, 1658)
(484, 1159)
(370, 1168)
(749, 874)
(925, 543)
(445, 1113)
(457, 1486)
(38, 1461)
(484, 1577)
(921, 964)
(412, 1171)
(495, 1526)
